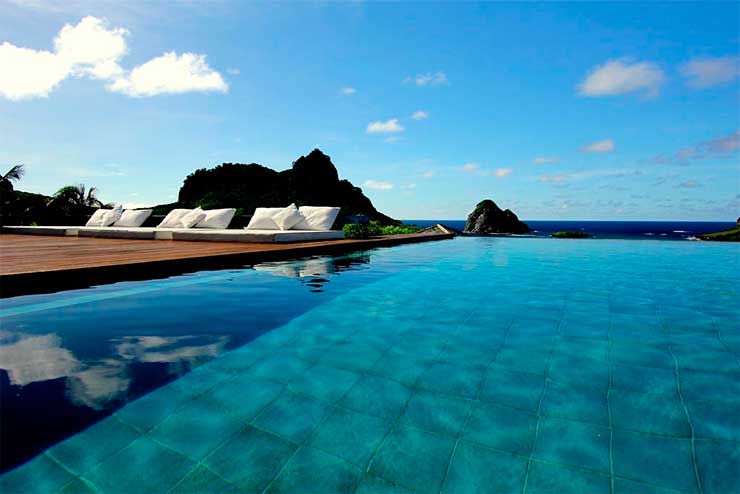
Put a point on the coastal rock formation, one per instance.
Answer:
(489, 218)
(313, 180)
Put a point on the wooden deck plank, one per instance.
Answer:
(37, 264)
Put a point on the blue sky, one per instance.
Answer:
(557, 111)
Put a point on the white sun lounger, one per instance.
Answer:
(202, 234)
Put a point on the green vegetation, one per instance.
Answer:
(571, 235)
(374, 228)
(731, 235)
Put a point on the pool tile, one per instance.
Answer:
(715, 419)
(377, 396)
(151, 409)
(585, 327)
(642, 355)
(644, 379)
(572, 443)
(202, 480)
(324, 382)
(84, 450)
(281, 367)
(522, 360)
(413, 459)
(352, 356)
(501, 428)
(453, 379)
(242, 397)
(351, 436)
(436, 413)
(703, 358)
(582, 348)
(196, 428)
(474, 470)
(718, 464)
(547, 478)
(402, 367)
(157, 469)
(292, 416)
(373, 485)
(311, 470)
(626, 486)
(656, 414)
(719, 386)
(565, 401)
(40, 475)
(76, 486)
(512, 388)
(579, 372)
(251, 458)
(658, 460)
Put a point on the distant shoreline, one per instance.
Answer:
(655, 230)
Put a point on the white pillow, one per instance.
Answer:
(133, 217)
(172, 220)
(97, 218)
(192, 218)
(217, 218)
(288, 217)
(262, 219)
(111, 216)
(317, 218)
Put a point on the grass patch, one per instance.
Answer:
(731, 235)
(571, 235)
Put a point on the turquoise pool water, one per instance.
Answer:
(466, 366)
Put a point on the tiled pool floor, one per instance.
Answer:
(514, 366)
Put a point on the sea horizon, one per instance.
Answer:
(613, 229)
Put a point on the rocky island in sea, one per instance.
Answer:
(487, 217)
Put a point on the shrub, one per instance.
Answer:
(360, 230)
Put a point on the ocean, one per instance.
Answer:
(663, 230)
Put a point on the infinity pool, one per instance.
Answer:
(466, 366)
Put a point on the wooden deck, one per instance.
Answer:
(42, 264)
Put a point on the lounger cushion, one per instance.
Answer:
(97, 217)
(133, 217)
(217, 218)
(262, 219)
(172, 220)
(192, 218)
(317, 218)
(288, 217)
(111, 216)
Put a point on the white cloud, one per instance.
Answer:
(707, 72)
(689, 184)
(605, 146)
(503, 172)
(374, 184)
(92, 49)
(388, 127)
(552, 178)
(471, 167)
(233, 71)
(170, 73)
(545, 160)
(429, 79)
(719, 147)
(88, 48)
(429, 174)
(420, 115)
(620, 77)
(409, 186)
(348, 90)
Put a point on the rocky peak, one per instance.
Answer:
(487, 217)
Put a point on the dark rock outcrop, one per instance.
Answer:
(489, 218)
(311, 181)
